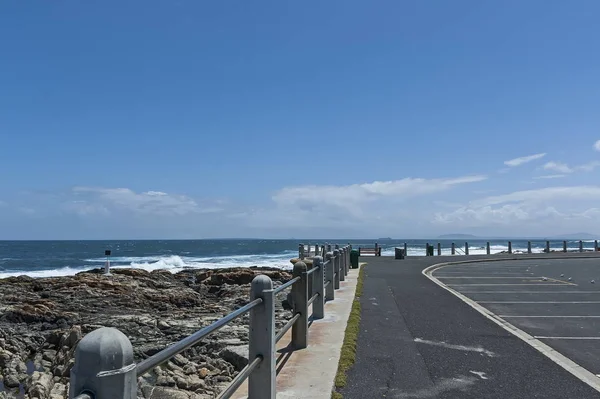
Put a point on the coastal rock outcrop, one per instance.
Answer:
(43, 320)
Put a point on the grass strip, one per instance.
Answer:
(348, 353)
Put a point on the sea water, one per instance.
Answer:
(63, 258)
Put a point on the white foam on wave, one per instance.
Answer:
(172, 263)
(63, 271)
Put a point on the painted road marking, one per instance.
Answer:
(575, 369)
(538, 301)
(576, 338)
(537, 284)
(551, 317)
(524, 278)
(532, 292)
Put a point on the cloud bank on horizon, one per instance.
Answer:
(405, 207)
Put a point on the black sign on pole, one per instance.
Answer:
(107, 252)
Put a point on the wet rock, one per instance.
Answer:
(41, 385)
(11, 381)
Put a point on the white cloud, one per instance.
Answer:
(350, 196)
(84, 208)
(149, 202)
(597, 145)
(558, 167)
(552, 206)
(521, 160)
(549, 177)
(564, 168)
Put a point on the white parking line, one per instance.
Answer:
(550, 317)
(462, 285)
(538, 301)
(531, 292)
(581, 338)
(506, 277)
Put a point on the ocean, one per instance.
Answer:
(63, 258)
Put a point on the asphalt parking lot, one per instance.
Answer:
(557, 301)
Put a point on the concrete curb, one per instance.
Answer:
(584, 375)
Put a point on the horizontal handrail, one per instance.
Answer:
(312, 299)
(286, 285)
(240, 378)
(94, 359)
(287, 326)
(170, 351)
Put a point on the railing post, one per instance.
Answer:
(319, 284)
(329, 270)
(580, 246)
(595, 245)
(487, 248)
(336, 268)
(301, 251)
(548, 246)
(453, 249)
(104, 366)
(300, 301)
(466, 248)
(261, 383)
(328, 247)
(347, 260)
(405, 249)
(528, 247)
(510, 247)
(341, 263)
(564, 246)
(426, 249)
(439, 249)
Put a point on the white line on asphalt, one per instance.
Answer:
(583, 374)
(550, 317)
(581, 338)
(531, 292)
(461, 285)
(521, 277)
(538, 301)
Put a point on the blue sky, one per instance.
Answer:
(285, 119)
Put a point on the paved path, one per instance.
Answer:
(417, 340)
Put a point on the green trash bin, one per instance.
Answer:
(354, 258)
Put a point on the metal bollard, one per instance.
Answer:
(439, 249)
(261, 383)
(347, 260)
(329, 271)
(595, 245)
(453, 249)
(510, 247)
(300, 302)
(548, 246)
(427, 249)
(564, 246)
(336, 268)
(104, 366)
(466, 248)
(328, 247)
(580, 246)
(301, 251)
(487, 248)
(528, 247)
(405, 250)
(319, 284)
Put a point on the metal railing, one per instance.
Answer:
(455, 250)
(104, 365)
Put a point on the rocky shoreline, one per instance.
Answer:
(42, 320)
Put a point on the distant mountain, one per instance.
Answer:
(450, 236)
(577, 236)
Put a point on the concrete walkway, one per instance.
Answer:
(417, 340)
(309, 373)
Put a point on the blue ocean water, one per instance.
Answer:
(60, 258)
